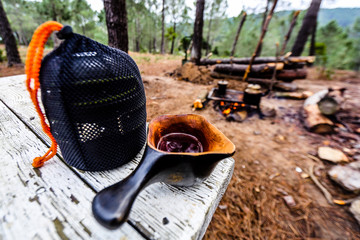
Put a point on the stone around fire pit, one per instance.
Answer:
(347, 176)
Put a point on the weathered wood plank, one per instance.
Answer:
(47, 203)
(188, 210)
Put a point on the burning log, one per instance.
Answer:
(313, 119)
(241, 68)
(286, 60)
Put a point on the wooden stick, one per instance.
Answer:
(237, 34)
(260, 40)
(273, 78)
(326, 193)
(287, 36)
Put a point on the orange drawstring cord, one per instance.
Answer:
(32, 70)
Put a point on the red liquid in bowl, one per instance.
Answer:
(180, 142)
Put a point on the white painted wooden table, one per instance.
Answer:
(54, 202)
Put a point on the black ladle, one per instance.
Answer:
(111, 206)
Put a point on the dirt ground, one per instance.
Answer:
(267, 153)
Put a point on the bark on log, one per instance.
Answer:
(331, 102)
(290, 75)
(262, 71)
(290, 60)
(291, 65)
(241, 68)
(314, 121)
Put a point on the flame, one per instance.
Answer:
(222, 103)
(226, 111)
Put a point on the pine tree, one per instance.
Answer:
(7, 35)
(116, 22)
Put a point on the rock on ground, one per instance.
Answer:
(347, 176)
(355, 210)
(332, 155)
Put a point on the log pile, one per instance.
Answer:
(287, 68)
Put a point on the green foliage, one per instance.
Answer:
(185, 44)
(2, 57)
(216, 51)
(170, 33)
(339, 47)
(337, 42)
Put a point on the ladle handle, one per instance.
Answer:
(112, 205)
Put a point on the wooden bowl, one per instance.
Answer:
(111, 206)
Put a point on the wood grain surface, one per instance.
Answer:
(51, 203)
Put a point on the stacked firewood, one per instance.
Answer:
(287, 68)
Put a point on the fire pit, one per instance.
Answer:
(230, 102)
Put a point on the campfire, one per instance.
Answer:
(233, 104)
(226, 108)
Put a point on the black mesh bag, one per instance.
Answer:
(94, 101)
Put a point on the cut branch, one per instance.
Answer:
(261, 39)
(287, 36)
(238, 33)
(273, 78)
(326, 193)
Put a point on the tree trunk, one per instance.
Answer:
(237, 34)
(162, 46)
(258, 52)
(8, 38)
(154, 44)
(209, 31)
(306, 27)
(116, 22)
(198, 32)
(173, 40)
(313, 40)
(54, 18)
(137, 35)
(287, 36)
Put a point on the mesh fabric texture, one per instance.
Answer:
(95, 103)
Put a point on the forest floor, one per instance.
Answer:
(268, 153)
